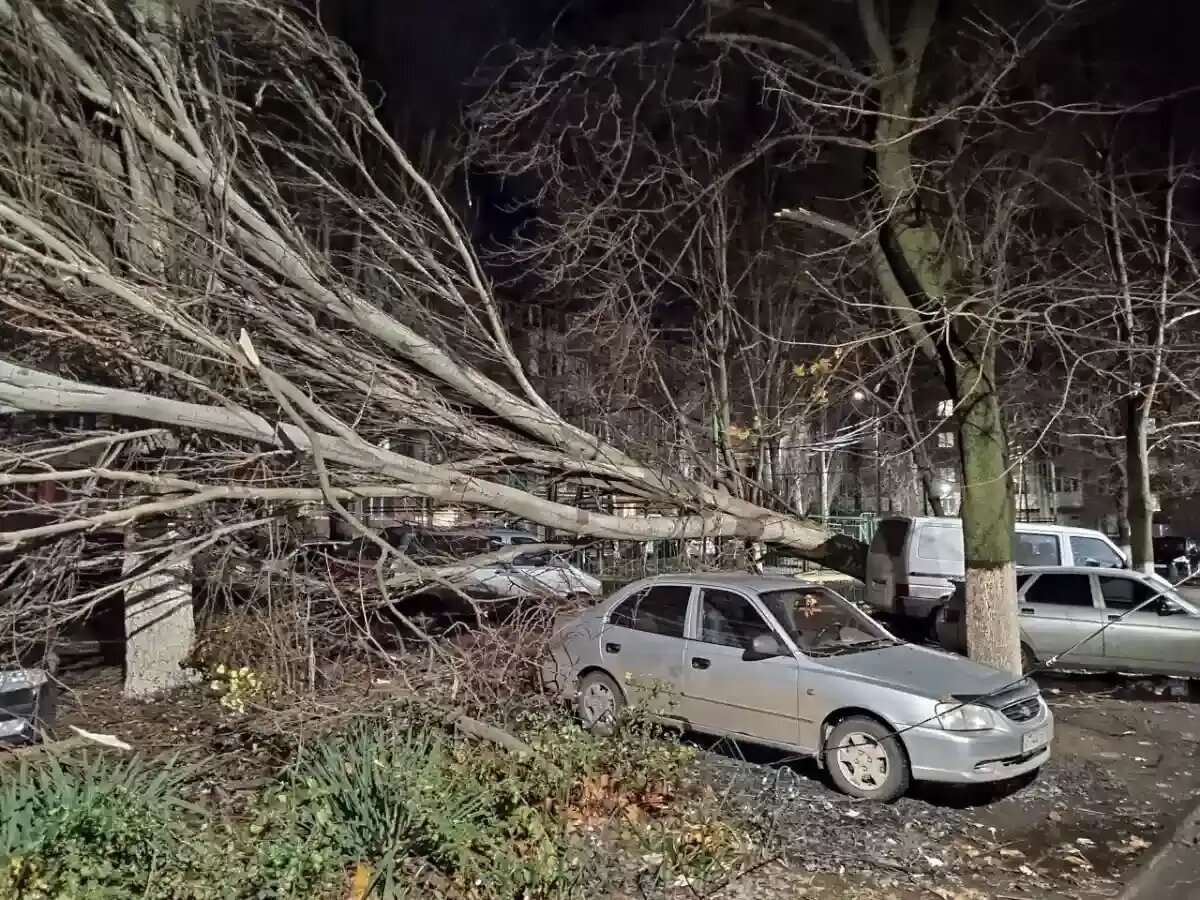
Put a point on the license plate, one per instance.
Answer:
(1035, 739)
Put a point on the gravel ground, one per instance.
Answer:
(1124, 770)
(932, 839)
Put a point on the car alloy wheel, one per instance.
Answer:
(865, 760)
(600, 702)
(862, 761)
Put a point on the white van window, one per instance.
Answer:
(1090, 551)
(941, 543)
(1036, 550)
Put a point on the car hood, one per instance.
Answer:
(922, 671)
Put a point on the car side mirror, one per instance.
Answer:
(1168, 609)
(764, 646)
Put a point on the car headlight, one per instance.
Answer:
(964, 717)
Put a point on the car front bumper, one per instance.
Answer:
(966, 757)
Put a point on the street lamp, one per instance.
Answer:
(861, 396)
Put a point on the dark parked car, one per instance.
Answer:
(494, 589)
(28, 700)
(1176, 558)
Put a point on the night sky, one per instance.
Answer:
(425, 52)
(425, 56)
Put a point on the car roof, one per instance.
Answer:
(736, 580)
(1021, 526)
(1076, 570)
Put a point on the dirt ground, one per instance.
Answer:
(1126, 766)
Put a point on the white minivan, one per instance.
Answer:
(912, 563)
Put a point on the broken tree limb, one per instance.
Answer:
(33, 390)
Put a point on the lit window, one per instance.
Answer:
(945, 408)
(946, 440)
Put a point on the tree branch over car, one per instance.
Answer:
(280, 205)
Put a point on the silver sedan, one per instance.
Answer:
(1089, 619)
(783, 663)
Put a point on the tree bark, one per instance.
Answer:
(1139, 498)
(993, 630)
(160, 627)
(918, 275)
(721, 516)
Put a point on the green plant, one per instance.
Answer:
(388, 797)
(89, 828)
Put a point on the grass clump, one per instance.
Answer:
(379, 809)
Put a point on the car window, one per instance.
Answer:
(819, 620)
(1033, 549)
(661, 609)
(1126, 593)
(1089, 551)
(1061, 590)
(729, 619)
(940, 542)
(532, 560)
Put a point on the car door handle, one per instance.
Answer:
(1027, 610)
(1114, 617)
(699, 662)
(612, 648)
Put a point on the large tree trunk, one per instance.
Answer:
(159, 622)
(1139, 499)
(993, 631)
(918, 274)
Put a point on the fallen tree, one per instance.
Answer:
(211, 229)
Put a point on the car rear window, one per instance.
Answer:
(1033, 549)
(661, 609)
(940, 542)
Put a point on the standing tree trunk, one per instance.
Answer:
(159, 622)
(987, 514)
(920, 275)
(1139, 510)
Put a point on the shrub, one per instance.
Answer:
(387, 797)
(92, 828)
(409, 809)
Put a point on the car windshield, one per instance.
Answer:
(821, 622)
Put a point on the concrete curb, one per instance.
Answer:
(1182, 839)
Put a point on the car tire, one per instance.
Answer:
(866, 760)
(931, 624)
(599, 703)
(1029, 661)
